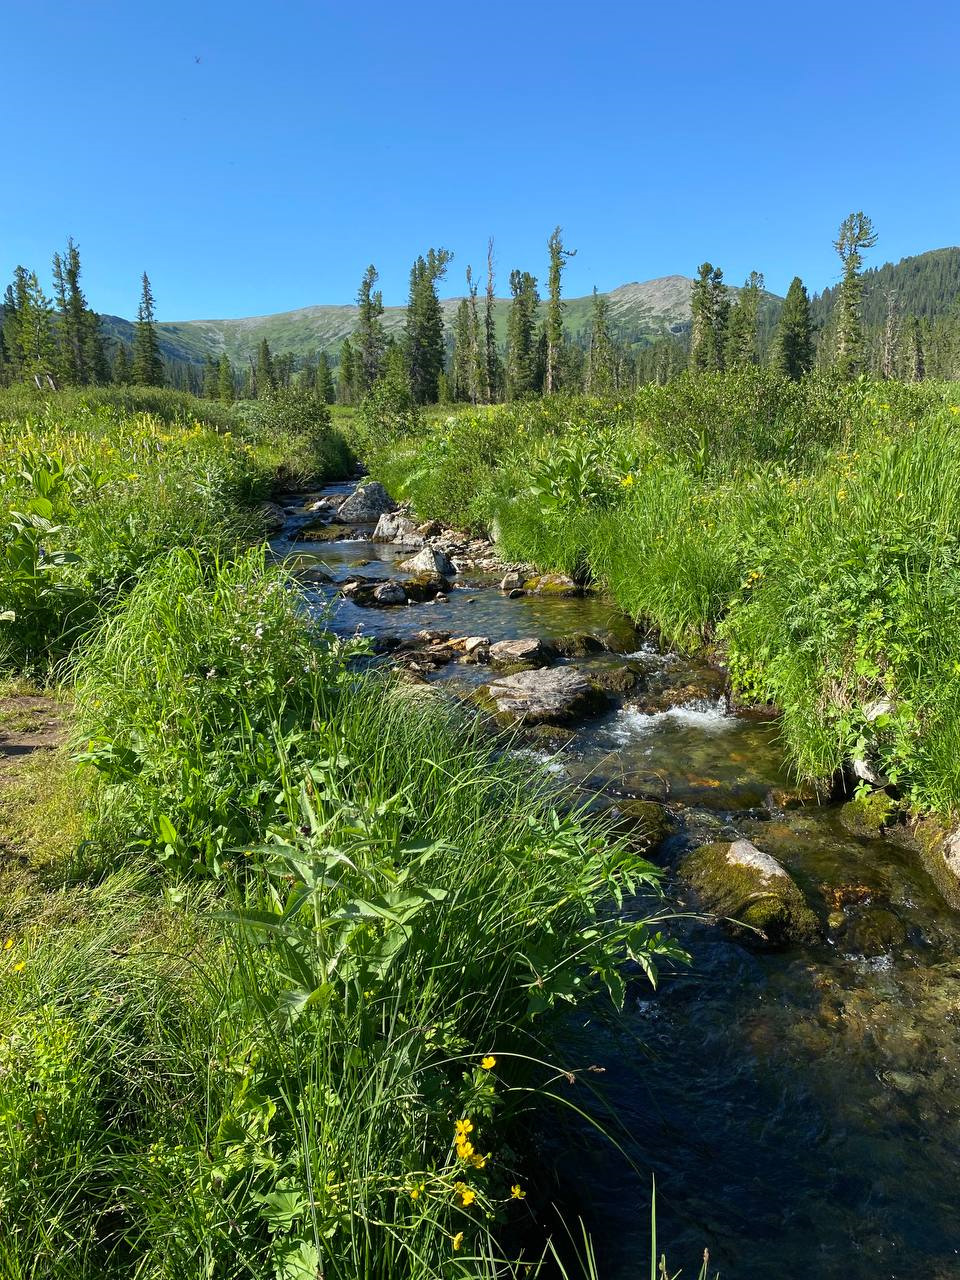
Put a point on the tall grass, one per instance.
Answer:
(289, 1033)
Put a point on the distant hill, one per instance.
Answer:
(639, 313)
(926, 285)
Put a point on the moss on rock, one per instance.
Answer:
(749, 887)
(867, 813)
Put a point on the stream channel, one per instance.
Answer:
(800, 1108)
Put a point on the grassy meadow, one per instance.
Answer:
(807, 531)
(279, 942)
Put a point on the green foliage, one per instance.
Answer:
(147, 367)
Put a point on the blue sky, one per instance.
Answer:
(312, 138)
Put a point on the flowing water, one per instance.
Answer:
(801, 1108)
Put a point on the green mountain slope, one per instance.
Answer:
(639, 312)
(926, 285)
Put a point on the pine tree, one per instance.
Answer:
(493, 370)
(147, 361)
(211, 379)
(323, 384)
(743, 336)
(423, 336)
(347, 375)
(264, 376)
(600, 376)
(554, 320)
(369, 339)
(28, 330)
(121, 366)
(480, 390)
(856, 234)
(792, 352)
(225, 380)
(709, 308)
(915, 360)
(462, 354)
(81, 355)
(523, 350)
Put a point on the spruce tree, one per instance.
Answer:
(147, 361)
(463, 368)
(264, 376)
(743, 336)
(856, 234)
(423, 336)
(554, 320)
(480, 390)
(347, 376)
(323, 383)
(225, 380)
(600, 373)
(493, 370)
(211, 379)
(792, 352)
(523, 349)
(369, 339)
(81, 356)
(28, 330)
(121, 366)
(709, 308)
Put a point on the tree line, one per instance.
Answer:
(889, 330)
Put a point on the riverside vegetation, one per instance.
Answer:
(278, 942)
(805, 530)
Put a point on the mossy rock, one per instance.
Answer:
(939, 848)
(748, 887)
(326, 531)
(549, 736)
(579, 645)
(553, 584)
(647, 822)
(615, 679)
(809, 791)
(424, 586)
(867, 814)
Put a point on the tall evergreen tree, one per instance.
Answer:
(915, 360)
(792, 352)
(709, 308)
(147, 361)
(347, 374)
(121, 366)
(423, 336)
(522, 348)
(480, 390)
(600, 373)
(463, 366)
(225, 380)
(554, 320)
(264, 376)
(323, 383)
(743, 328)
(369, 339)
(211, 379)
(82, 358)
(493, 371)
(856, 234)
(28, 330)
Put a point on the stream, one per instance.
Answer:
(800, 1108)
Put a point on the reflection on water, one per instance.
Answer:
(801, 1110)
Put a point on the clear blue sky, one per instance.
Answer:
(312, 138)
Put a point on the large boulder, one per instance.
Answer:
(368, 502)
(751, 888)
(430, 560)
(273, 516)
(395, 527)
(529, 651)
(390, 593)
(558, 696)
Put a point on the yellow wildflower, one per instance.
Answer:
(627, 480)
(517, 1192)
(464, 1126)
(489, 1062)
(464, 1149)
(457, 1240)
(467, 1196)
(478, 1161)
(18, 968)
(8, 944)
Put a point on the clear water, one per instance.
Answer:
(801, 1109)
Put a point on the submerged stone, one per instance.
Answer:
(579, 645)
(747, 886)
(867, 814)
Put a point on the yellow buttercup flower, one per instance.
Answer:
(18, 968)
(489, 1062)
(8, 944)
(464, 1126)
(457, 1240)
(517, 1192)
(477, 1160)
(467, 1196)
(627, 480)
(464, 1149)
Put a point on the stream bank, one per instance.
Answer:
(799, 1105)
